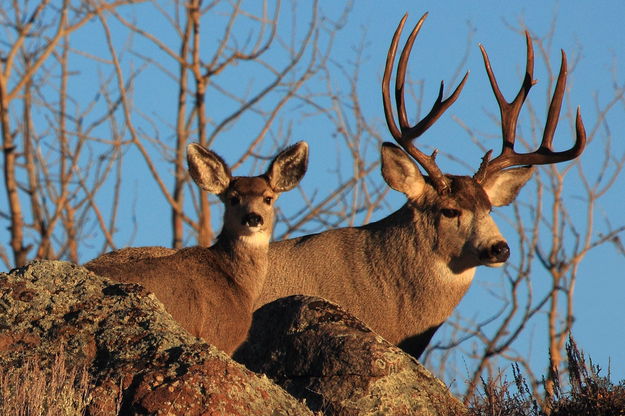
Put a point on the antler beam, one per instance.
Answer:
(509, 117)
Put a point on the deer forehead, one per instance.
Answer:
(251, 186)
(465, 193)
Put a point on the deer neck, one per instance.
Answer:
(405, 255)
(246, 260)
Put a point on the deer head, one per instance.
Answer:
(460, 206)
(249, 200)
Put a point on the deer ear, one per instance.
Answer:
(400, 172)
(208, 170)
(503, 187)
(288, 167)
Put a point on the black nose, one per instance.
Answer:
(252, 220)
(499, 252)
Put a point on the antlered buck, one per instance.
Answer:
(211, 291)
(405, 274)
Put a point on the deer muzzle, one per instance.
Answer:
(496, 253)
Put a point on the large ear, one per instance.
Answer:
(503, 187)
(288, 167)
(400, 172)
(207, 169)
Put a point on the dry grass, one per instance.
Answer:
(32, 390)
(589, 394)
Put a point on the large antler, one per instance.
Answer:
(510, 114)
(406, 133)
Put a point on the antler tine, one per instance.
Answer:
(388, 69)
(509, 117)
(400, 77)
(509, 111)
(545, 152)
(406, 133)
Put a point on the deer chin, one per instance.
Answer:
(495, 264)
(256, 237)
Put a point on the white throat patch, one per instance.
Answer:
(255, 239)
(462, 278)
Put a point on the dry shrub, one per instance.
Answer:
(33, 390)
(588, 393)
(503, 398)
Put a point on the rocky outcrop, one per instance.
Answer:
(320, 353)
(140, 361)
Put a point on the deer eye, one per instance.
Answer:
(234, 200)
(450, 212)
(268, 200)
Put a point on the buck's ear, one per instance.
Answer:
(208, 170)
(400, 172)
(288, 167)
(503, 187)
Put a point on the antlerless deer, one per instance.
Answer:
(405, 274)
(211, 291)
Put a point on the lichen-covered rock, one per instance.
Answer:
(139, 359)
(319, 352)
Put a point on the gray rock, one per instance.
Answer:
(139, 359)
(320, 353)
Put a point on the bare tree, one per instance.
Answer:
(62, 149)
(43, 134)
(209, 111)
